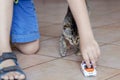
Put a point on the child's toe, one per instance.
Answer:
(21, 77)
(16, 76)
(5, 77)
(11, 77)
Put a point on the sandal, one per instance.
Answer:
(16, 68)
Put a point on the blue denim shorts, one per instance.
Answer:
(24, 23)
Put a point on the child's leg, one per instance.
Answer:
(25, 30)
(6, 7)
(28, 48)
(5, 24)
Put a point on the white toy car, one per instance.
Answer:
(88, 72)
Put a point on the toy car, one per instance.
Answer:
(88, 72)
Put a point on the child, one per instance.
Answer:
(18, 23)
(89, 47)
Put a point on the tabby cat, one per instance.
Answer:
(70, 36)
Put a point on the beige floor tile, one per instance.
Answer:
(116, 43)
(102, 20)
(52, 30)
(54, 1)
(101, 43)
(65, 70)
(117, 77)
(51, 12)
(50, 47)
(107, 34)
(42, 38)
(32, 60)
(104, 12)
(102, 7)
(51, 18)
(44, 24)
(74, 57)
(107, 19)
(110, 56)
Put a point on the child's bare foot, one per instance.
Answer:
(9, 69)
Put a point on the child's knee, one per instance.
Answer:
(29, 48)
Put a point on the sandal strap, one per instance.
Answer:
(10, 69)
(8, 55)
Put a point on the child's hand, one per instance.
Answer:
(90, 51)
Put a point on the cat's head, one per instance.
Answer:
(70, 35)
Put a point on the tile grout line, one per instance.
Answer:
(53, 56)
(39, 64)
(48, 38)
(51, 22)
(56, 58)
(113, 44)
(110, 43)
(108, 67)
(112, 76)
(71, 60)
(117, 10)
(50, 35)
(51, 25)
(97, 27)
(103, 44)
(47, 56)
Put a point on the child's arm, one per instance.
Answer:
(89, 47)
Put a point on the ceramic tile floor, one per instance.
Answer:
(48, 65)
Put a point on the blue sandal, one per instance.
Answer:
(16, 68)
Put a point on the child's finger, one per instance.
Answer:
(92, 58)
(88, 63)
(86, 59)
